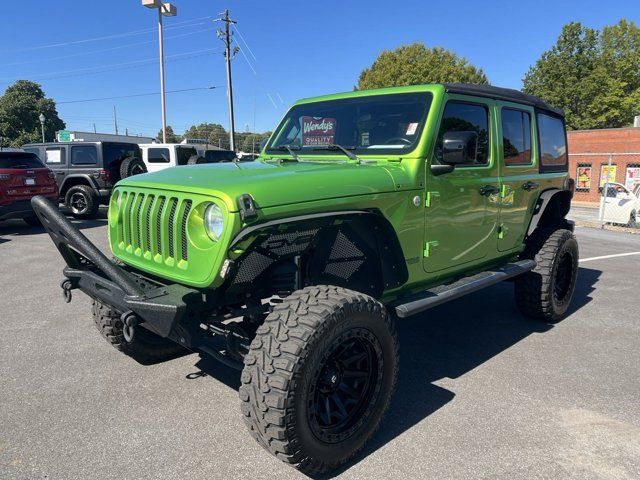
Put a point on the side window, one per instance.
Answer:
(465, 117)
(55, 156)
(159, 155)
(553, 143)
(516, 136)
(84, 155)
(184, 153)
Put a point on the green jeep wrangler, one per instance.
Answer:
(363, 206)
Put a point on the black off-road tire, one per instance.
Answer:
(545, 293)
(287, 361)
(145, 344)
(131, 166)
(89, 198)
(33, 221)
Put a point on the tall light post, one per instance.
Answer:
(167, 10)
(42, 119)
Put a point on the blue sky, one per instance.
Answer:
(297, 49)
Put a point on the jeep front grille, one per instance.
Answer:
(149, 225)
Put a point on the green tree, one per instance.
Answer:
(20, 108)
(252, 140)
(214, 132)
(416, 64)
(171, 136)
(593, 76)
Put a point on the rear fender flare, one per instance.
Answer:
(551, 199)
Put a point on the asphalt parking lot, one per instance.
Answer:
(482, 392)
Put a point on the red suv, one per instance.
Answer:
(22, 176)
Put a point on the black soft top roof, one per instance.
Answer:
(499, 93)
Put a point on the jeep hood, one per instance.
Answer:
(272, 184)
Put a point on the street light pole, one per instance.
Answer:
(42, 119)
(167, 10)
(162, 92)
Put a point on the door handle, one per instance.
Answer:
(530, 186)
(59, 173)
(489, 190)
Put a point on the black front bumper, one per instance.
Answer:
(168, 310)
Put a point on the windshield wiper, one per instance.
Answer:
(288, 148)
(336, 147)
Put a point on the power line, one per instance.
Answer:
(102, 50)
(115, 66)
(136, 95)
(189, 23)
(235, 27)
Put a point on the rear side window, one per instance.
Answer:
(466, 117)
(184, 154)
(55, 156)
(34, 150)
(516, 136)
(84, 155)
(213, 156)
(553, 143)
(158, 155)
(19, 160)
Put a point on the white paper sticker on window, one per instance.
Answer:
(53, 156)
(411, 128)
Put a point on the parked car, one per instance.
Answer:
(158, 156)
(87, 171)
(621, 206)
(363, 205)
(22, 176)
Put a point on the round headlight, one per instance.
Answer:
(213, 221)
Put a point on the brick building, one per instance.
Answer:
(589, 157)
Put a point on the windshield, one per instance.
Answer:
(19, 160)
(368, 125)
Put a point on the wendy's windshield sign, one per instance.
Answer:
(317, 131)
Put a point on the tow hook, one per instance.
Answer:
(129, 322)
(67, 286)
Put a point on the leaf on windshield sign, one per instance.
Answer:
(318, 131)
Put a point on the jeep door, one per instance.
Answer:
(519, 186)
(55, 158)
(461, 213)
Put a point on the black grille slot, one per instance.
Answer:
(172, 215)
(128, 206)
(137, 221)
(147, 223)
(159, 225)
(183, 229)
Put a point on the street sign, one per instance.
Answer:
(64, 136)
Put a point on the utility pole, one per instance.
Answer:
(115, 120)
(225, 36)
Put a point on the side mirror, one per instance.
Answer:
(459, 148)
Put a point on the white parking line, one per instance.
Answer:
(609, 256)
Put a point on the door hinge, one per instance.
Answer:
(431, 198)
(503, 190)
(429, 247)
(502, 231)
